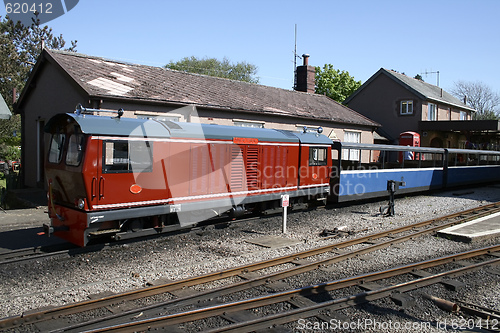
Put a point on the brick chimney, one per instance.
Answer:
(305, 76)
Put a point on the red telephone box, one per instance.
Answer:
(411, 139)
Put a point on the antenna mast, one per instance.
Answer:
(295, 60)
(295, 56)
(437, 72)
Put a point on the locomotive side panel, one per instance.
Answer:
(200, 170)
(178, 173)
(217, 154)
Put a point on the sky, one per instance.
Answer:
(458, 38)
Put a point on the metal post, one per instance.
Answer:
(285, 201)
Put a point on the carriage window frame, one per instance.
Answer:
(78, 146)
(318, 156)
(124, 161)
(58, 152)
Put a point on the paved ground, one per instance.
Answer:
(20, 228)
(482, 228)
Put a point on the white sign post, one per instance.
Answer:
(285, 202)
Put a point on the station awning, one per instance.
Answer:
(460, 125)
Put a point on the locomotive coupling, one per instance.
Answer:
(47, 229)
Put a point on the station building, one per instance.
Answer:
(404, 104)
(61, 80)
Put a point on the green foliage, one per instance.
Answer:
(241, 71)
(20, 48)
(7, 129)
(336, 84)
(9, 153)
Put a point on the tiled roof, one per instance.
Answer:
(109, 78)
(425, 90)
(429, 91)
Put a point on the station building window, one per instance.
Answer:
(432, 112)
(352, 154)
(254, 124)
(406, 107)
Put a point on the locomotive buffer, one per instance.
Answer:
(392, 187)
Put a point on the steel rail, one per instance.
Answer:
(34, 316)
(218, 310)
(32, 253)
(479, 311)
(342, 303)
(262, 280)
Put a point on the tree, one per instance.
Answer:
(20, 48)
(241, 71)
(480, 97)
(336, 84)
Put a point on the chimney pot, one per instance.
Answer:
(305, 76)
(306, 59)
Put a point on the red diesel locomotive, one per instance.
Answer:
(123, 177)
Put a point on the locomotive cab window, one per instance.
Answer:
(56, 148)
(317, 156)
(74, 154)
(127, 156)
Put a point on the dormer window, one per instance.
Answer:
(406, 107)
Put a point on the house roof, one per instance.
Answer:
(103, 78)
(4, 109)
(424, 90)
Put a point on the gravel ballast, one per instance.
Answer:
(65, 279)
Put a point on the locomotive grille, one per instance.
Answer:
(252, 166)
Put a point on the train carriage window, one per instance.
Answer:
(317, 156)
(127, 156)
(74, 154)
(56, 148)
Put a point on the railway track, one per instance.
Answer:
(303, 307)
(31, 253)
(302, 262)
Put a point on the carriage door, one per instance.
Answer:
(90, 169)
(315, 166)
